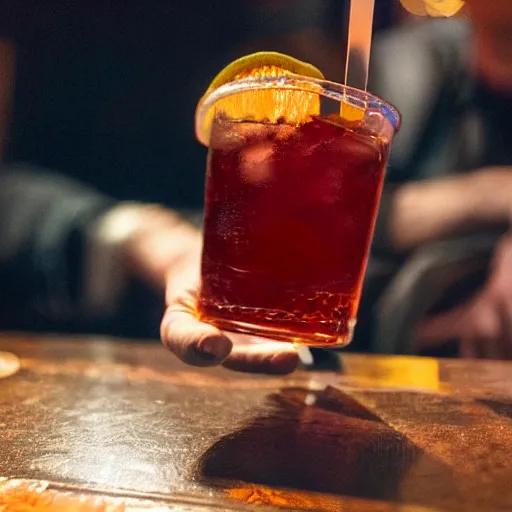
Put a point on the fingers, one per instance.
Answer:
(440, 329)
(468, 349)
(483, 328)
(192, 341)
(255, 355)
(200, 344)
(505, 311)
(481, 335)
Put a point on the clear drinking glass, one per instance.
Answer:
(291, 205)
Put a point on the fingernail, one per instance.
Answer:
(207, 356)
(213, 348)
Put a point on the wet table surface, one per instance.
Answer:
(384, 434)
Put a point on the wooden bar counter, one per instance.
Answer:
(102, 418)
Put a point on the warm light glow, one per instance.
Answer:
(402, 372)
(433, 8)
(260, 495)
(22, 496)
(9, 364)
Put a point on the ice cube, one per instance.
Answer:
(357, 148)
(256, 163)
(226, 136)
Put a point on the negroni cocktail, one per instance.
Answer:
(289, 216)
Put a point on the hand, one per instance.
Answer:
(165, 251)
(201, 344)
(483, 326)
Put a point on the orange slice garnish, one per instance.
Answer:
(268, 105)
(256, 64)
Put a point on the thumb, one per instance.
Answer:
(192, 341)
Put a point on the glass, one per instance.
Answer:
(290, 209)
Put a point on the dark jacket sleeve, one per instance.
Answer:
(43, 220)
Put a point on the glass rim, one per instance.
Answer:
(332, 90)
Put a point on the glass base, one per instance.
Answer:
(280, 334)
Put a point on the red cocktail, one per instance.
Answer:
(289, 216)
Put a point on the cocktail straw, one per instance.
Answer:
(360, 28)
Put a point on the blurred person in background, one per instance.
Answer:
(450, 166)
(73, 258)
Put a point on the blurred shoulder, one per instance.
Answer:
(444, 43)
(412, 67)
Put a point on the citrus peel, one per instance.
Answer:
(269, 104)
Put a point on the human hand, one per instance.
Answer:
(483, 326)
(201, 344)
(165, 251)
